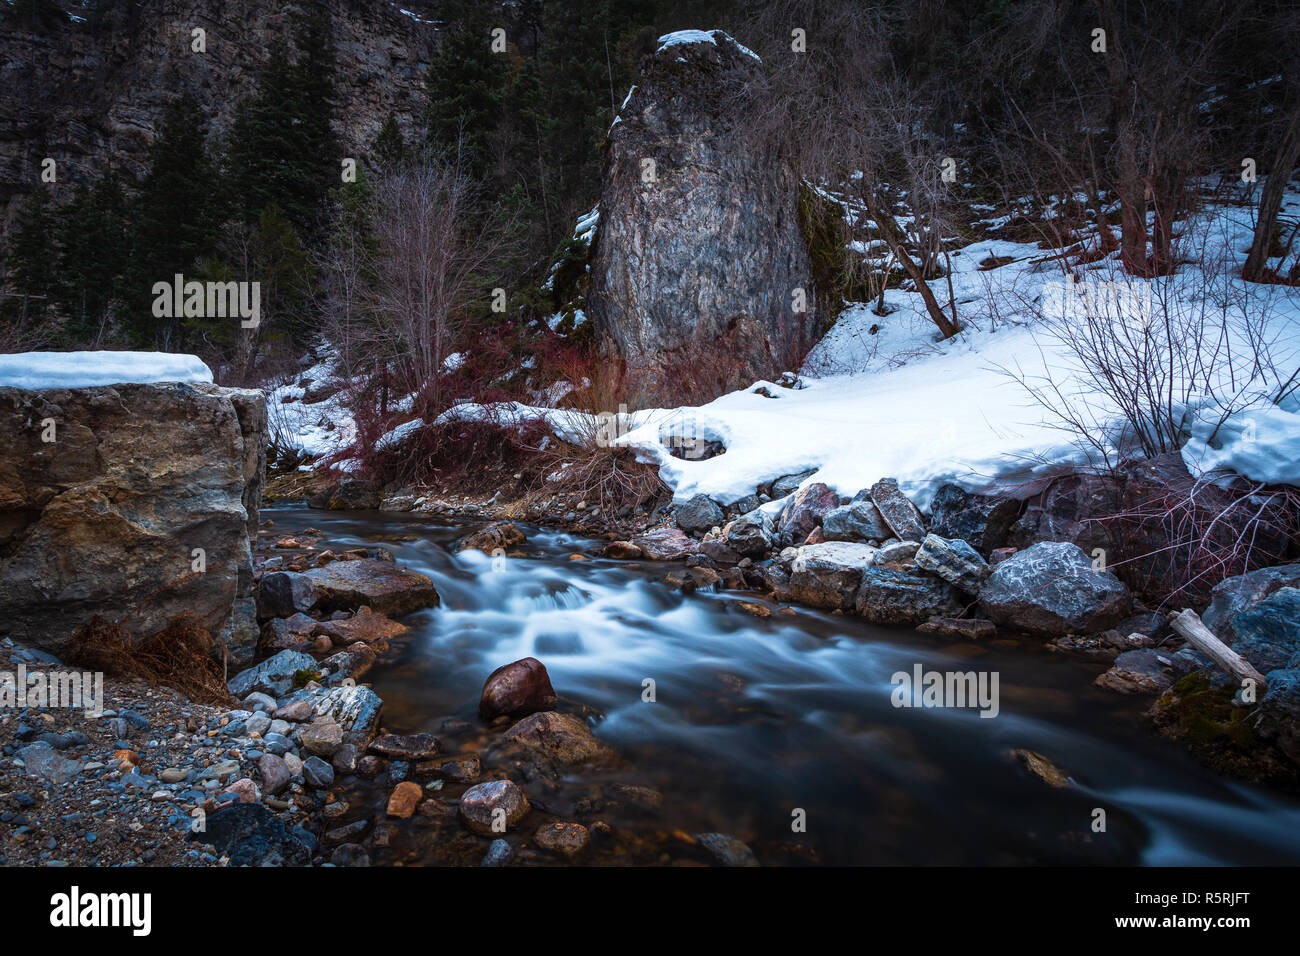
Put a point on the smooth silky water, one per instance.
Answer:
(755, 718)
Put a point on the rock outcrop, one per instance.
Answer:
(140, 510)
(700, 272)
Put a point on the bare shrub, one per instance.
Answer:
(182, 655)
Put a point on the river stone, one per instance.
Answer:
(803, 513)
(497, 536)
(683, 272)
(291, 633)
(351, 494)
(566, 839)
(665, 544)
(726, 850)
(92, 524)
(888, 596)
(344, 759)
(274, 773)
(479, 806)
(1234, 595)
(972, 629)
(405, 746)
(365, 626)
(284, 593)
(1268, 634)
(404, 799)
(346, 585)
(354, 708)
(1052, 589)
(859, 520)
(516, 690)
(1280, 711)
(318, 773)
(348, 664)
(750, 535)
(898, 511)
(499, 854)
(982, 520)
(274, 676)
(828, 575)
(621, 551)
(463, 769)
(897, 553)
(563, 738)
(322, 737)
(953, 560)
(350, 854)
(699, 514)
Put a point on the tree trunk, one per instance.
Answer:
(893, 238)
(1270, 200)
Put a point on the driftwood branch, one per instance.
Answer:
(1188, 623)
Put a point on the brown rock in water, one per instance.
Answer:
(344, 585)
(622, 551)
(665, 544)
(404, 799)
(365, 626)
(493, 807)
(517, 690)
(566, 839)
(1042, 768)
(406, 746)
(101, 521)
(500, 535)
(562, 738)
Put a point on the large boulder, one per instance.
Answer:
(700, 274)
(665, 544)
(284, 593)
(379, 585)
(1235, 595)
(982, 520)
(889, 596)
(353, 707)
(564, 740)
(803, 512)
(903, 517)
(750, 535)
(859, 520)
(139, 511)
(1268, 634)
(829, 574)
(1052, 589)
(273, 676)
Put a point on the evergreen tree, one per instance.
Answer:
(466, 84)
(32, 266)
(389, 147)
(92, 237)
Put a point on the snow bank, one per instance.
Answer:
(35, 370)
(686, 37)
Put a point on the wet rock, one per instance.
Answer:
(493, 807)
(463, 769)
(322, 737)
(345, 585)
(665, 544)
(968, 628)
(1234, 595)
(498, 536)
(859, 520)
(1042, 768)
(405, 746)
(499, 854)
(898, 511)
(562, 738)
(1052, 589)
(344, 759)
(726, 850)
(953, 560)
(803, 513)
(750, 535)
(620, 551)
(1142, 671)
(274, 773)
(693, 579)
(828, 575)
(349, 664)
(352, 494)
(284, 593)
(1268, 633)
(698, 515)
(566, 839)
(350, 854)
(365, 626)
(982, 520)
(318, 773)
(279, 634)
(1280, 711)
(404, 799)
(251, 835)
(887, 596)
(274, 676)
(517, 690)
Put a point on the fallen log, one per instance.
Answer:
(1188, 623)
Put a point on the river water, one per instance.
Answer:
(760, 724)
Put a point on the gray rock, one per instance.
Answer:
(699, 514)
(665, 544)
(355, 709)
(726, 850)
(43, 762)
(322, 737)
(345, 758)
(284, 593)
(277, 744)
(1051, 589)
(803, 513)
(859, 520)
(897, 552)
(257, 701)
(887, 596)
(499, 854)
(350, 854)
(789, 484)
(984, 521)
(953, 560)
(1280, 711)
(274, 676)
(1139, 671)
(1232, 596)
(1268, 633)
(750, 535)
(317, 773)
(898, 511)
(274, 773)
(828, 575)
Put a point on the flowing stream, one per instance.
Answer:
(755, 719)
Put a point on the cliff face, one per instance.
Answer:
(105, 519)
(91, 94)
(700, 269)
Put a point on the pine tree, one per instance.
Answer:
(465, 85)
(32, 267)
(389, 147)
(93, 238)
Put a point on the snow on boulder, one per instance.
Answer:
(1053, 589)
(38, 370)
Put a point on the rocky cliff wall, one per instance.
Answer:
(107, 497)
